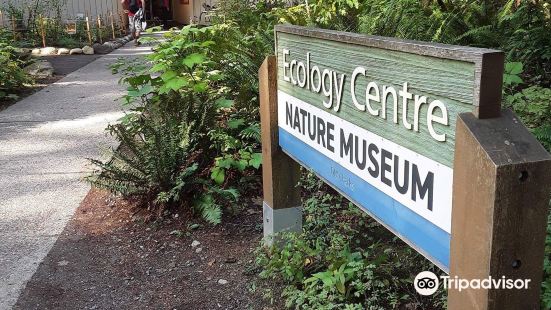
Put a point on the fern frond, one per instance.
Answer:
(252, 132)
(209, 210)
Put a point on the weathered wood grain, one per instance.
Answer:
(280, 174)
(488, 63)
(501, 187)
(449, 81)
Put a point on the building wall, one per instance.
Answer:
(71, 9)
(182, 13)
(92, 7)
(191, 12)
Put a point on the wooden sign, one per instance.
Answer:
(404, 130)
(71, 27)
(376, 119)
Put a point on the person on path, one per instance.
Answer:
(166, 13)
(136, 14)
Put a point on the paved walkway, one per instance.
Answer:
(44, 142)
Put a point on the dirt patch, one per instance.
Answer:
(106, 259)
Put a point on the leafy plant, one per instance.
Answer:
(68, 42)
(511, 75)
(12, 75)
(185, 144)
(343, 259)
(533, 105)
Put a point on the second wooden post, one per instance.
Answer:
(501, 184)
(280, 174)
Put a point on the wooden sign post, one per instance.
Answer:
(500, 205)
(42, 30)
(88, 30)
(98, 23)
(280, 174)
(112, 25)
(413, 133)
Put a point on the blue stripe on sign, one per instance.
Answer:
(427, 238)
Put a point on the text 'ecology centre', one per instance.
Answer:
(377, 97)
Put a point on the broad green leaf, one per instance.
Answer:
(241, 165)
(200, 87)
(312, 280)
(514, 67)
(218, 175)
(235, 123)
(146, 89)
(193, 59)
(223, 103)
(514, 79)
(168, 75)
(225, 163)
(256, 160)
(189, 45)
(177, 83)
(158, 67)
(325, 277)
(208, 43)
(132, 92)
(340, 287)
(164, 89)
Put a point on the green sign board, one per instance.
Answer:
(375, 117)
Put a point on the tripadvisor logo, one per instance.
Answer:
(426, 283)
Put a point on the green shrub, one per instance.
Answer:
(192, 134)
(317, 271)
(12, 76)
(533, 106)
(160, 162)
(67, 42)
(343, 259)
(526, 39)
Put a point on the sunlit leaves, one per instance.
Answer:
(235, 123)
(193, 59)
(223, 103)
(511, 75)
(256, 160)
(218, 174)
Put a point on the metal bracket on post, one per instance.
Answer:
(501, 187)
(280, 173)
